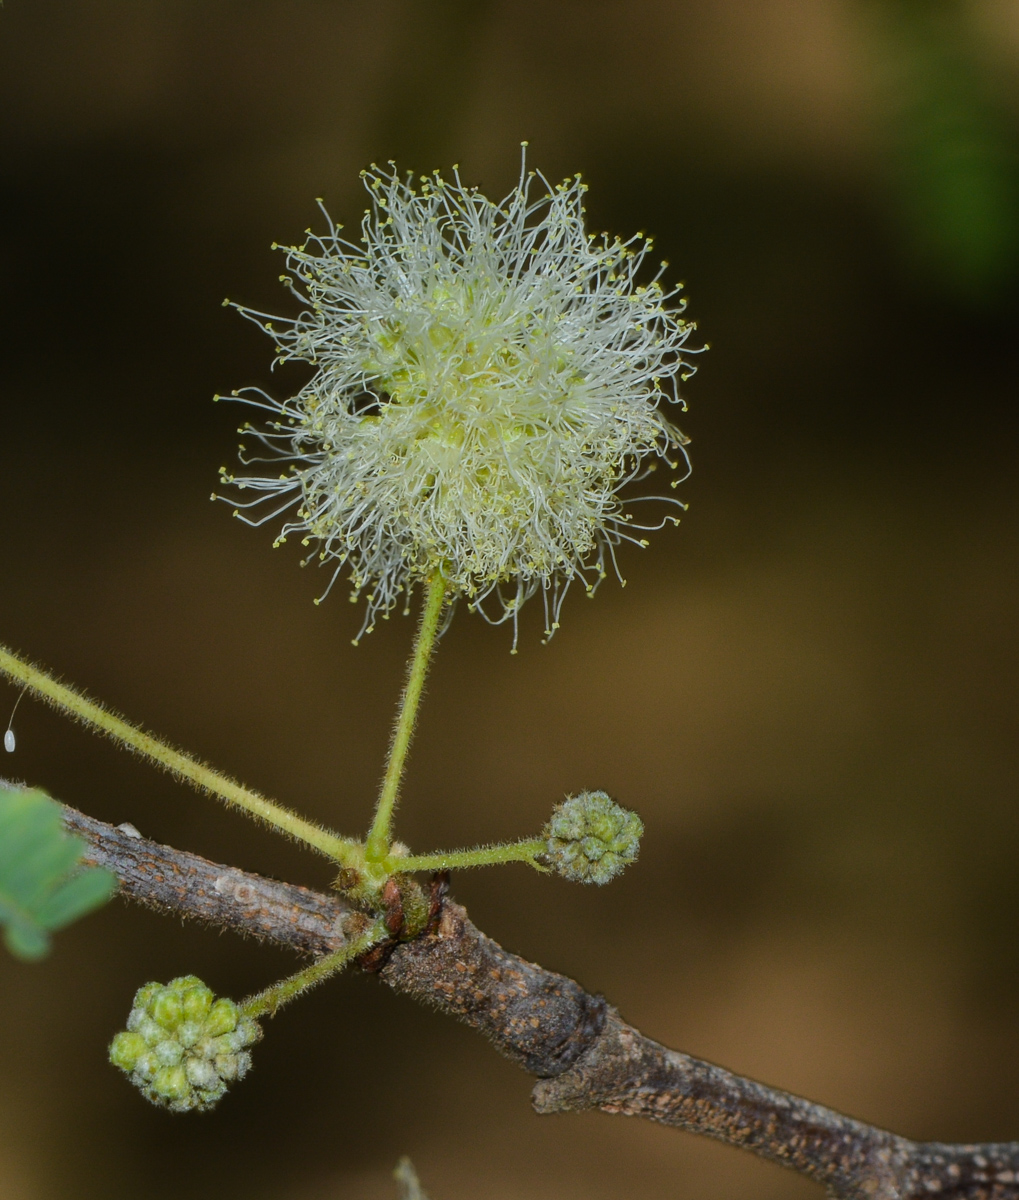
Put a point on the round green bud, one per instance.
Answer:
(222, 1018)
(189, 1032)
(182, 1046)
(166, 1009)
(145, 994)
(126, 1049)
(171, 1084)
(247, 1033)
(168, 1053)
(590, 838)
(233, 1065)
(202, 1073)
(197, 1003)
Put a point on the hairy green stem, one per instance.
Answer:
(377, 845)
(81, 708)
(481, 856)
(273, 998)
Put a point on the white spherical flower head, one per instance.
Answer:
(487, 378)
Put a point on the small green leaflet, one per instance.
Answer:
(40, 889)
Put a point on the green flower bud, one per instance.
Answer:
(189, 1032)
(182, 1046)
(590, 838)
(165, 1009)
(222, 1018)
(126, 1049)
(168, 1052)
(196, 1003)
(171, 1085)
(202, 1073)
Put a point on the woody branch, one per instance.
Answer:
(584, 1054)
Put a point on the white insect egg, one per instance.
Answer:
(9, 742)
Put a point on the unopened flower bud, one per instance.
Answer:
(590, 838)
(182, 1047)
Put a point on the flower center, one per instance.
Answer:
(469, 385)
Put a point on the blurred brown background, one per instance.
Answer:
(808, 690)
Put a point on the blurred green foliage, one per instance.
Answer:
(41, 890)
(954, 148)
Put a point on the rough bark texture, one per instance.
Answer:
(543, 1021)
(625, 1072)
(584, 1054)
(188, 885)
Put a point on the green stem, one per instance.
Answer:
(273, 998)
(76, 705)
(377, 845)
(482, 856)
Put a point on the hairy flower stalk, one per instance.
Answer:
(487, 379)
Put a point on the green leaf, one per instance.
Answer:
(26, 942)
(88, 890)
(42, 886)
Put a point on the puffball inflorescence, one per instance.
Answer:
(487, 378)
(590, 838)
(182, 1047)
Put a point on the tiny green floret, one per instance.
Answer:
(182, 1047)
(487, 377)
(590, 838)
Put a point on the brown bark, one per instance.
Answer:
(584, 1054)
